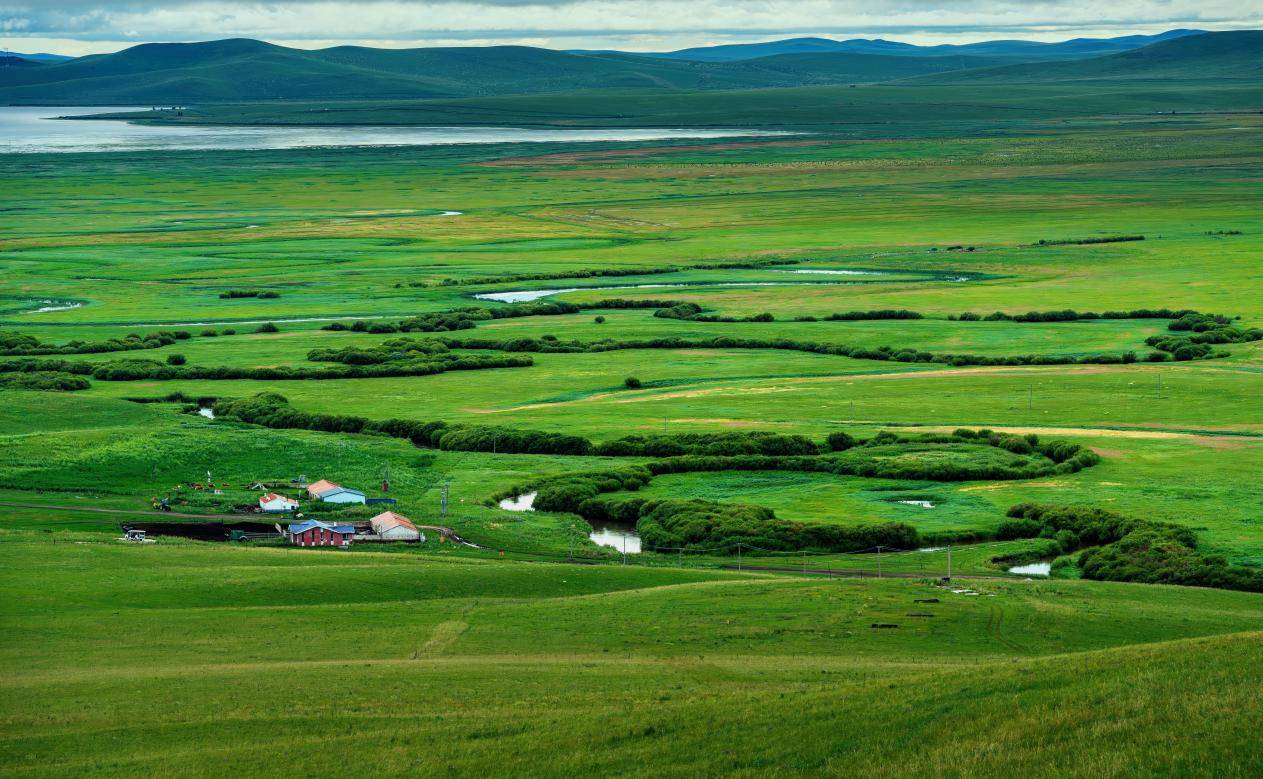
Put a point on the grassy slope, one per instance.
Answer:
(122, 666)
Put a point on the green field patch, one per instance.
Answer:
(542, 245)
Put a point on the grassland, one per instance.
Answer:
(154, 667)
(184, 657)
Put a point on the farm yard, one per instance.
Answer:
(832, 391)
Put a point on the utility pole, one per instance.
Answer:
(738, 555)
(443, 499)
(879, 561)
(1030, 398)
(1159, 385)
(949, 562)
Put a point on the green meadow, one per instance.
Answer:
(206, 658)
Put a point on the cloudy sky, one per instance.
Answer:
(91, 26)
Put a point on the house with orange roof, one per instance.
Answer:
(314, 489)
(390, 526)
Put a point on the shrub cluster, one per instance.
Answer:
(621, 303)
(233, 294)
(272, 410)
(712, 444)
(1071, 315)
(44, 380)
(1205, 331)
(151, 370)
(1086, 241)
(395, 350)
(1119, 548)
(887, 313)
(15, 344)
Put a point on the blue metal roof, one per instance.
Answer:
(338, 490)
(302, 527)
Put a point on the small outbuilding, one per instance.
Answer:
(273, 503)
(390, 526)
(313, 532)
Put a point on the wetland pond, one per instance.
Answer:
(30, 130)
(620, 537)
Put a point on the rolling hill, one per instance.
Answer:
(1214, 56)
(1024, 50)
(242, 70)
(239, 69)
(36, 57)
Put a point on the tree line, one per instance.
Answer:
(270, 409)
(151, 370)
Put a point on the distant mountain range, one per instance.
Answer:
(35, 57)
(1222, 56)
(1024, 50)
(242, 70)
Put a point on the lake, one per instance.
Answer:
(26, 130)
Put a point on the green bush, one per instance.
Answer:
(46, 381)
(839, 441)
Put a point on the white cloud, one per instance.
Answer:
(632, 24)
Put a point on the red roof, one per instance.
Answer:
(392, 519)
(271, 496)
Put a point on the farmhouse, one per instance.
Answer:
(394, 527)
(315, 488)
(329, 492)
(315, 533)
(273, 503)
